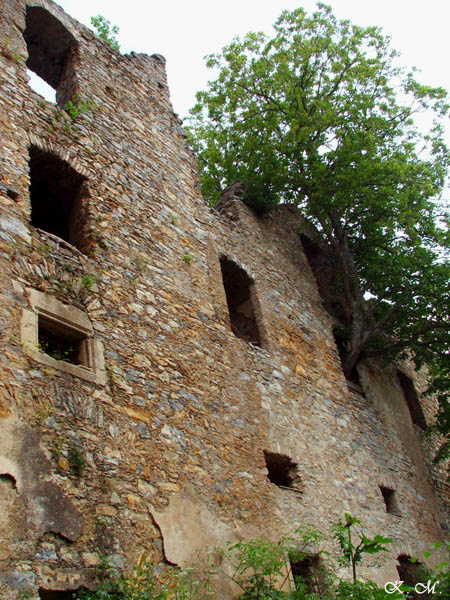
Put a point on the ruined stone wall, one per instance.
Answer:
(156, 440)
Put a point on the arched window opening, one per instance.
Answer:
(51, 50)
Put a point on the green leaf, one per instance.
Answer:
(320, 116)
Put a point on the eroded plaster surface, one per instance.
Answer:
(41, 505)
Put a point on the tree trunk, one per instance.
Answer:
(353, 294)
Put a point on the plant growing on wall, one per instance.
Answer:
(77, 461)
(352, 552)
(320, 116)
(433, 580)
(141, 584)
(88, 281)
(261, 568)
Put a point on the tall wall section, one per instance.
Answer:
(131, 416)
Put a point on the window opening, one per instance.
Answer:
(40, 86)
(412, 573)
(390, 500)
(57, 192)
(62, 342)
(51, 49)
(318, 264)
(353, 380)
(61, 336)
(239, 291)
(321, 264)
(60, 594)
(412, 400)
(307, 572)
(312, 252)
(8, 480)
(282, 471)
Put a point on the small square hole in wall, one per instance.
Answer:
(282, 471)
(390, 500)
(62, 342)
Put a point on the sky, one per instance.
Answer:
(184, 32)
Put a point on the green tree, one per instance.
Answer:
(320, 115)
(105, 31)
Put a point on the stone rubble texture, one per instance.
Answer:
(173, 443)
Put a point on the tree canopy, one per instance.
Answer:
(105, 31)
(320, 115)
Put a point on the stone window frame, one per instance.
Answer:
(65, 316)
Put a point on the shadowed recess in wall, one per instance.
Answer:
(307, 570)
(50, 51)
(282, 471)
(8, 480)
(239, 291)
(56, 193)
(59, 594)
(412, 400)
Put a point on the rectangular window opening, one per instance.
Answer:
(390, 500)
(62, 342)
(240, 292)
(412, 400)
(61, 336)
(58, 196)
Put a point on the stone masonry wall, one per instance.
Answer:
(157, 443)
